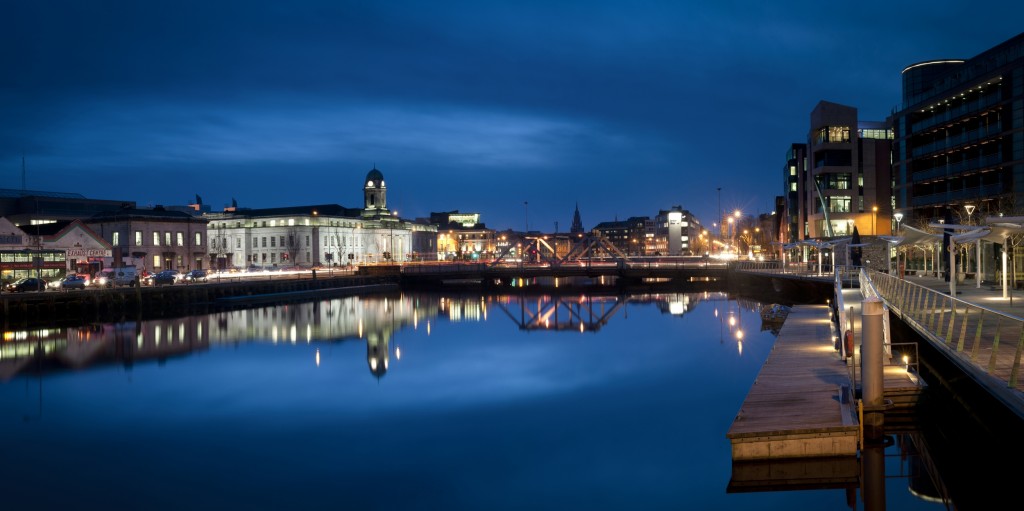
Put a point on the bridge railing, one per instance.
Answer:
(974, 334)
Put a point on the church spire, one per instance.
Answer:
(577, 224)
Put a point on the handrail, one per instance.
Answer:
(867, 290)
(974, 334)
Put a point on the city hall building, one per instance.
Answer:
(318, 235)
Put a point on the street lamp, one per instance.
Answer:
(874, 215)
(898, 217)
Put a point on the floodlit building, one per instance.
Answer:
(319, 235)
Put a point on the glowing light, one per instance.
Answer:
(398, 353)
(318, 358)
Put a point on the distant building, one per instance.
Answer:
(628, 235)
(28, 207)
(577, 223)
(796, 179)
(152, 239)
(958, 138)
(319, 235)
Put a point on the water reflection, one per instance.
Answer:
(370, 319)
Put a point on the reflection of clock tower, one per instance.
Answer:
(375, 200)
(377, 353)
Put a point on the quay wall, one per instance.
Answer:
(117, 304)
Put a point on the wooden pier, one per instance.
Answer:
(801, 404)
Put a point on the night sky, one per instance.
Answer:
(515, 110)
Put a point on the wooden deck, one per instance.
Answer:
(800, 404)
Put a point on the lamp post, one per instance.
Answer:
(874, 215)
(731, 240)
(898, 217)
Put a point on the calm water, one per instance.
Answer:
(401, 401)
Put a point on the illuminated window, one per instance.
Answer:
(116, 239)
(181, 239)
(199, 239)
(156, 239)
(167, 238)
(156, 261)
(138, 238)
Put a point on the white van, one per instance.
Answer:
(110, 277)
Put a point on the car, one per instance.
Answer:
(167, 277)
(195, 276)
(73, 281)
(26, 284)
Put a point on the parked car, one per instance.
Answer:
(73, 281)
(26, 284)
(166, 277)
(195, 276)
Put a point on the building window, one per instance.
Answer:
(291, 240)
(273, 241)
(839, 204)
(156, 261)
(167, 238)
(307, 241)
(282, 241)
(181, 239)
(116, 239)
(264, 242)
(138, 238)
(199, 239)
(238, 242)
(156, 240)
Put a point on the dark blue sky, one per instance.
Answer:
(624, 107)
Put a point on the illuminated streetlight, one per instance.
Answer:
(874, 215)
(898, 217)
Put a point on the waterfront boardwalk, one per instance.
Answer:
(801, 404)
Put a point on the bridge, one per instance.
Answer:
(638, 270)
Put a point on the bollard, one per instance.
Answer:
(871, 357)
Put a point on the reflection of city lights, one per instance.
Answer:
(716, 312)
(318, 357)
(739, 347)
(428, 328)
(739, 334)
(732, 321)
(581, 327)
(398, 353)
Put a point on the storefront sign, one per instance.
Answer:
(87, 252)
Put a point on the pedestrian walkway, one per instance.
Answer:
(978, 329)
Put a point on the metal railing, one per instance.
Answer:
(975, 334)
(868, 290)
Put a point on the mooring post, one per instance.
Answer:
(871, 353)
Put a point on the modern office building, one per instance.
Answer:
(849, 182)
(959, 137)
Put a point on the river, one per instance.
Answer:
(406, 401)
